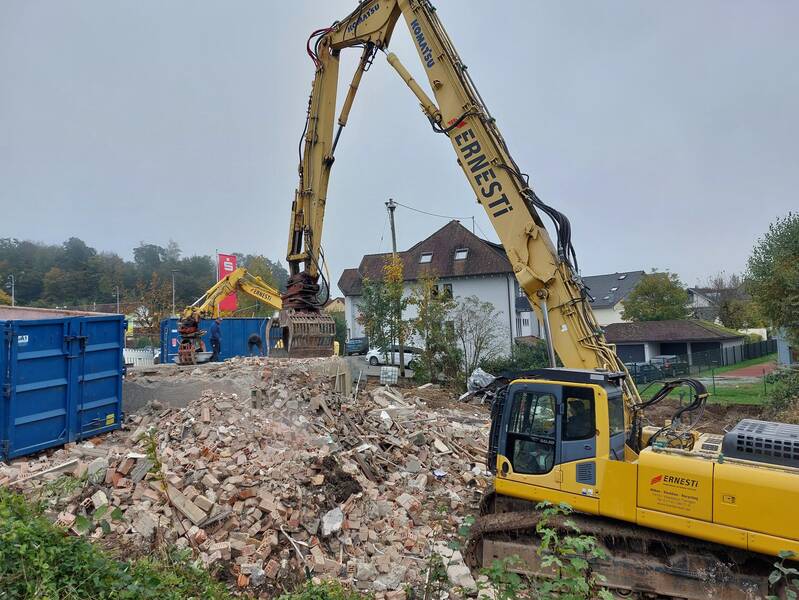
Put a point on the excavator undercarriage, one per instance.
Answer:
(642, 563)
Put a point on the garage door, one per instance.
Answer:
(631, 353)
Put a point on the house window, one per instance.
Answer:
(461, 253)
(426, 257)
(444, 288)
(526, 322)
(518, 325)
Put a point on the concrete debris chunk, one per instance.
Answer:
(332, 521)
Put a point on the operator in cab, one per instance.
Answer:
(216, 339)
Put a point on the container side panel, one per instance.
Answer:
(235, 333)
(100, 397)
(38, 392)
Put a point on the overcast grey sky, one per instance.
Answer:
(666, 131)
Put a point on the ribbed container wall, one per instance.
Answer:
(61, 374)
(235, 333)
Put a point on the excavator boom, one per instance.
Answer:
(546, 271)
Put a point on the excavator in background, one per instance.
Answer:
(682, 514)
(191, 349)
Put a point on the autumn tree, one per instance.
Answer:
(430, 326)
(373, 313)
(657, 297)
(773, 274)
(5, 299)
(476, 327)
(394, 282)
(735, 307)
(154, 302)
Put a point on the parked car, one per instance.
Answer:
(359, 345)
(378, 356)
(671, 364)
(644, 372)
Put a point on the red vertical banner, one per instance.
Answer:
(226, 265)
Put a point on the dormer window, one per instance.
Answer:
(614, 289)
(622, 276)
(461, 253)
(426, 257)
(606, 297)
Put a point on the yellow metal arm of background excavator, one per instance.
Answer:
(545, 271)
(239, 280)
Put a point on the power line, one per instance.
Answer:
(382, 235)
(424, 212)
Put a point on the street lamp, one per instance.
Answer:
(116, 289)
(173, 290)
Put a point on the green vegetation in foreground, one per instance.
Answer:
(747, 363)
(327, 590)
(40, 560)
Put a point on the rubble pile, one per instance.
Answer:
(294, 479)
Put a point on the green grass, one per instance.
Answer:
(40, 560)
(747, 363)
(727, 393)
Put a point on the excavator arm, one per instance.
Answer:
(239, 280)
(546, 269)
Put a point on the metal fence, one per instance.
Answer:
(139, 357)
(700, 363)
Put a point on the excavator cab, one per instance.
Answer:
(551, 426)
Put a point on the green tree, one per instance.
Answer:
(657, 297)
(394, 284)
(429, 325)
(341, 329)
(373, 313)
(736, 309)
(773, 274)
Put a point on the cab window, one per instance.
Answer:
(616, 414)
(531, 432)
(579, 421)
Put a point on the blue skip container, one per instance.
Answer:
(235, 333)
(61, 375)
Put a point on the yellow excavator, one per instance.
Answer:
(207, 306)
(682, 514)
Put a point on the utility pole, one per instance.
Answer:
(173, 290)
(391, 206)
(13, 283)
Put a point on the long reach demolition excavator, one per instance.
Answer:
(682, 514)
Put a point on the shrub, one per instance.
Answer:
(784, 394)
(40, 560)
(522, 357)
(327, 590)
